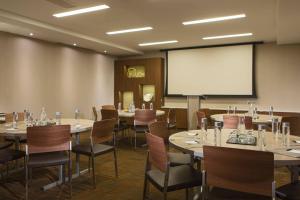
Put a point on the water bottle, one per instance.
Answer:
(204, 129)
(217, 134)
(261, 137)
(43, 117)
(275, 128)
(58, 118)
(228, 110)
(143, 106)
(235, 110)
(286, 134)
(271, 111)
(133, 107)
(151, 106)
(241, 125)
(255, 113)
(15, 119)
(119, 106)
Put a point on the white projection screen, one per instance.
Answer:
(212, 71)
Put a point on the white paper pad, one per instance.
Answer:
(294, 151)
(191, 142)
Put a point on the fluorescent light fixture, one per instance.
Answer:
(80, 11)
(227, 36)
(105, 51)
(129, 30)
(216, 19)
(74, 44)
(157, 43)
(31, 34)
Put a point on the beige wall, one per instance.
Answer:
(34, 74)
(277, 80)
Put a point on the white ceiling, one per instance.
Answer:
(268, 20)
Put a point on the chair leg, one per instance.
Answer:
(116, 164)
(145, 188)
(26, 182)
(93, 170)
(70, 176)
(135, 140)
(165, 195)
(187, 193)
(89, 165)
(63, 174)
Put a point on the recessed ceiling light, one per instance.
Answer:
(31, 34)
(80, 11)
(74, 44)
(105, 51)
(216, 19)
(157, 43)
(227, 36)
(129, 30)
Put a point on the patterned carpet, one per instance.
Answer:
(128, 186)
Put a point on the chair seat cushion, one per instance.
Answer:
(7, 155)
(47, 159)
(179, 159)
(141, 129)
(224, 194)
(179, 177)
(86, 149)
(22, 139)
(4, 145)
(289, 192)
(120, 127)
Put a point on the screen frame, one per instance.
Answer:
(253, 95)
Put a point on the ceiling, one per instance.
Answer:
(268, 20)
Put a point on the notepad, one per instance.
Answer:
(297, 141)
(294, 151)
(192, 133)
(191, 142)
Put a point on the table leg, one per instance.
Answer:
(77, 141)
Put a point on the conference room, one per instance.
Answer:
(149, 99)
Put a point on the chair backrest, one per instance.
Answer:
(230, 121)
(240, 170)
(294, 124)
(95, 113)
(157, 152)
(143, 117)
(248, 122)
(160, 129)
(42, 139)
(9, 117)
(108, 107)
(171, 119)
(109, 114)
(102, 131)
(200, 115)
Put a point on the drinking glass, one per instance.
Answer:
(217, 134)
(204, 129)
(275, 128)
(271, 111)
(77, 115)
(286, 134)
(234, 110)
(143, 106)
(228, 110)
(242, 126)
(15, 119)
(262, 136)
(151, 106)
(58, 118)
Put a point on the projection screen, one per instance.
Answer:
(211, 71)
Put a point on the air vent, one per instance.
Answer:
(62, 3)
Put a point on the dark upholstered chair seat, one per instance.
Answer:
(179, 177)
(47, 159)
(179, 159)
(289, 191)
(98, 149)
(224, 194)
(7, 155)
(120, 127)
(4, 145)
(22, 139)
(141, 129)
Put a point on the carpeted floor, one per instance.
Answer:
(128, 186)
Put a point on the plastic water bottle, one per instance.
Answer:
(58, 118)
(261, 137)
(204, 129)
(151, 106)
(271, 111)
(217, 134)
(286, 134)
(15, 119)
(43, 117)
(143, 106)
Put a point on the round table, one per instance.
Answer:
(77, 126)
(123, 113)
(182, 141)
(262, 119)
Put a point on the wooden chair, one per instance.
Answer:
(238, 174)
(142, 118)
(113, 114)
(294, 124)
(230, 121)
(200, 115)
(102, 132)
(108, 107)
(171, 118)
(160, 129)
(49, 146)
(95, 113)
(164, 177)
